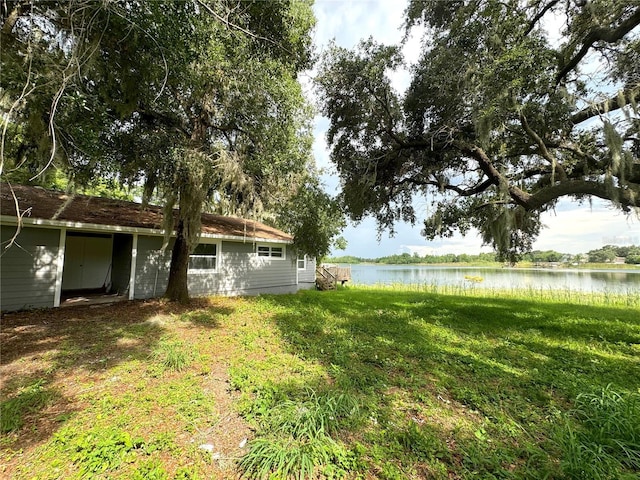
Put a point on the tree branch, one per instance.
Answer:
(539, 15)
(627, 198)
(610, 104)
(518, 195)
(599, 34)
(542, 149)
(461, 191)
(238, 27)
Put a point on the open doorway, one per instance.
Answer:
(96, 268)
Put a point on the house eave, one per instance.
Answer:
(95, 227)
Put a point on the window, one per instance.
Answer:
(204, 257)
(270, 251)
(302, 263)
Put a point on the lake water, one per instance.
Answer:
(622, 281)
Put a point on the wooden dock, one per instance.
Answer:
(328, 276)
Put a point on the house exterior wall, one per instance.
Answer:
(28, 269)
(308, 275)
(241, 271)
(152, 267)
(28, 274)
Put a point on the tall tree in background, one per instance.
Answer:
(198, 100)
(501, 120)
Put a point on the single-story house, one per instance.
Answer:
(68, 244)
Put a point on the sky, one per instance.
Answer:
(571, 227)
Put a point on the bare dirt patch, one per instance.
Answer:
(76, 360)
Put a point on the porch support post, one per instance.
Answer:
(59, 267)
(132, 274)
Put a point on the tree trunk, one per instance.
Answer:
(177, 290)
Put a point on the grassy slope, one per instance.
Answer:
(380, 383)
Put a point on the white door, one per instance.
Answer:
(87, 262)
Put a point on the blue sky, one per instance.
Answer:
(571, 228)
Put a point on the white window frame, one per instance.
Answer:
(217, 256)
(268, 248)
(304, 262)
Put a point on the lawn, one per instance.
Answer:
(355, 383)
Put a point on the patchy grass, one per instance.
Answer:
(410, 382)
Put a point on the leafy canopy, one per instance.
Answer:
(198, 101)
(501, 120)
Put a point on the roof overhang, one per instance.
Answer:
(95, 227)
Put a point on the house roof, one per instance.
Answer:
(54, 206)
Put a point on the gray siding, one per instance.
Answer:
(308, 275)
(121, 263)
(241, 271)
(28, 268)
(152, 267)
(28, 271)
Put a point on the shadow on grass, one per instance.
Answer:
(49, 357)
(508, 365)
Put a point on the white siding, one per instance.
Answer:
(28, 268)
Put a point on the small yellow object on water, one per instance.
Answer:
(474, 278)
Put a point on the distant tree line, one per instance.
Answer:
(606, 254)
(406, 258)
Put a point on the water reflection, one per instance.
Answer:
(585, 280)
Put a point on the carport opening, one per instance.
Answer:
(97, 267)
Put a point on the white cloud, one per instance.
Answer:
(577, 228)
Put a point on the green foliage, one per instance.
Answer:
(173, 355)
(296, 438)
(171, 107)
(314, 219)
(150, 470)
(100, 450)
(30, 398)
(606, 441)
(523, 125)
(608, 253)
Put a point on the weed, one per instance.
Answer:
(101, 450)
(186, 473)
(278, 457)
(150, 470)
(298, 440)
(172, 355)
(314, 417)
(607, 439)
(31, 398)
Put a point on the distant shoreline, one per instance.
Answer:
(549, 266)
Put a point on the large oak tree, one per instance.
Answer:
(197, 100)
(512, 106)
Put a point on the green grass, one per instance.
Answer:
(493, 373)
(368, 382)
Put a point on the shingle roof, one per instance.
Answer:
(52, 205)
